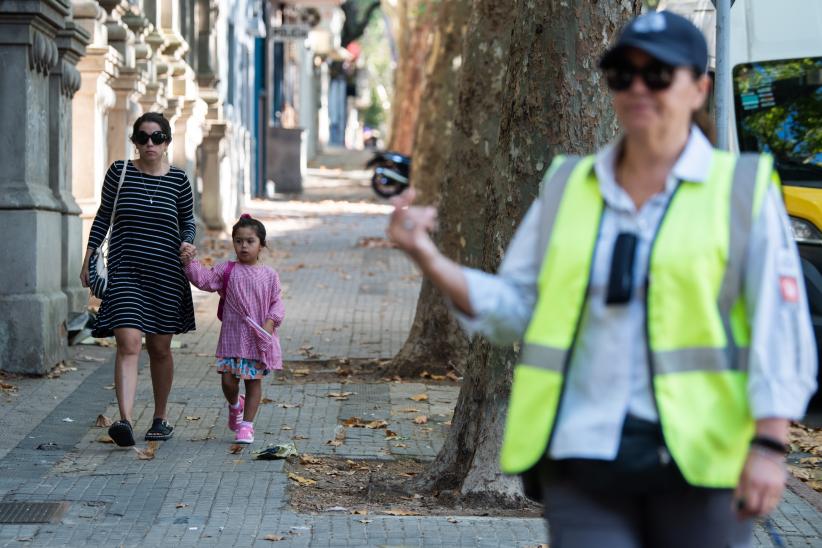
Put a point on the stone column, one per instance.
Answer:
(90, 108)
(65, 81)
(32, 303)
(213, 152)
(128, 87)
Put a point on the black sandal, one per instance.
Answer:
(122, 433)
(160, 430)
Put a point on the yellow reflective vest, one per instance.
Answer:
(696, 324)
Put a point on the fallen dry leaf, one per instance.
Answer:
(419, 397)
(236, 448)
(148, 452)
(286, 428)
(181, 505)
(192, 418)
(391, 435)
(376, 424)
(289, 405)
(425, 375)
(205, 438)
(274, 538)
(409, 410)
(302, 372)
(422, 419)
(453, 376)
(266, 400)
(359, 512)
(340, 395)
(438, 377)
(105, 438)
(299, 437)
(102, 421)
(300, 480)
(400, 512)
(307, 460)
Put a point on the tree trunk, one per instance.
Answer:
(529, 90)
(414, 41)
(435, 340)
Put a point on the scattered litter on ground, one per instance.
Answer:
(59, 370)
(305, 482)
(371, 242)
(236, 448)
(68, 419)
(379, 487)
(87, 358)
(276, 451)
(103, 421)
(50, 446)
(806, 449)
(148, 452)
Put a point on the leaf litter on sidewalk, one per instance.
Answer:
(376, 487)
(805, 461)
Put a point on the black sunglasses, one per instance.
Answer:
(158, 138)
(656, 76)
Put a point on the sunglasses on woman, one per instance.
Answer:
(158, 137)
(656, 76)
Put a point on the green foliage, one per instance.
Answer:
(792, 128)
(374, 115)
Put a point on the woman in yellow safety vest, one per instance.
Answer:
(658, 295)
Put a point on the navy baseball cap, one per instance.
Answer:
(665, 36)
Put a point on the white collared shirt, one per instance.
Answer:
(609, 375)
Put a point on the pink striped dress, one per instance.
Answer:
(253, 296)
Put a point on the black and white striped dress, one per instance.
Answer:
(147, 288)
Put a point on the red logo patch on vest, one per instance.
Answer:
(789, 288)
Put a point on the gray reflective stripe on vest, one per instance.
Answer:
(684, 360)
(543, 357)
(552, 192)
(743, 193)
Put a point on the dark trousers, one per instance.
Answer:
(686, 517)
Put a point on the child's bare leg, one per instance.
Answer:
(231, 388)
(253, 394)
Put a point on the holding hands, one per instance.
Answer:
(187, 253)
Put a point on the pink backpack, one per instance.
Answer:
(226, 277)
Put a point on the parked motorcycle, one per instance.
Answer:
(392, 173)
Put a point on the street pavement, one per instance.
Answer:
(345, 298)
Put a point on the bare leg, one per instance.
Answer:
(253, 394)
(162, 371)
(231, 388)
(129, 343)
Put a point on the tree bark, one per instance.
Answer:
(414, 41)
(435, 340)
(529, 89)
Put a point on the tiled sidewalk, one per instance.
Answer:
(342, 300)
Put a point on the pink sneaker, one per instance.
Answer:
(235, 416)
(245, 434)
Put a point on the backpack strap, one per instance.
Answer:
(226, 278)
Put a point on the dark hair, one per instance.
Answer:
(155, 117)
(701, 117)
(247, 221)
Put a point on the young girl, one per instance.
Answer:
(251, 310)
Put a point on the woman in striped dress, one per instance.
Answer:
(148, 293)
